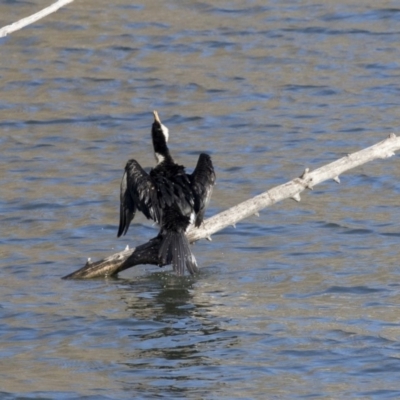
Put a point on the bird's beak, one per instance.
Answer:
(156, 117)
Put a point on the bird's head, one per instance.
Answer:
(158, 129)
(160, 135)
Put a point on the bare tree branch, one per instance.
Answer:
(147, 253)
(33, 18)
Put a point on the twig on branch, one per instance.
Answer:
(147, 253)
(33, 18)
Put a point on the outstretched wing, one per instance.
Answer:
(127, 207)
(138, 192)
(202, 180)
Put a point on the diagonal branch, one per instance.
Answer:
(33, 18)
(147, 253)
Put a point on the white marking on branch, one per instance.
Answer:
(33, 18)
(307, 181)
(296, 197)
(305, 173)
(119, 261)
(388, 154)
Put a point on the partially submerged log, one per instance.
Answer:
(148, 253)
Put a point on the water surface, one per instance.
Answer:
(300, 302)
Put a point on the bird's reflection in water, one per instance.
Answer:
(159, 295)
(173, 332)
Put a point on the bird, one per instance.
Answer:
(169, 196)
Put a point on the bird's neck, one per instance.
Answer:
(161, 152)
(163, 158)
(160, 138)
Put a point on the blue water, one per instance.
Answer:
(300, 302)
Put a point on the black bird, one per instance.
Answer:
(168, 196)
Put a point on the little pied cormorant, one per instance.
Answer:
(168, 196)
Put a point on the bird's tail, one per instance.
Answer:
(175, 250)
